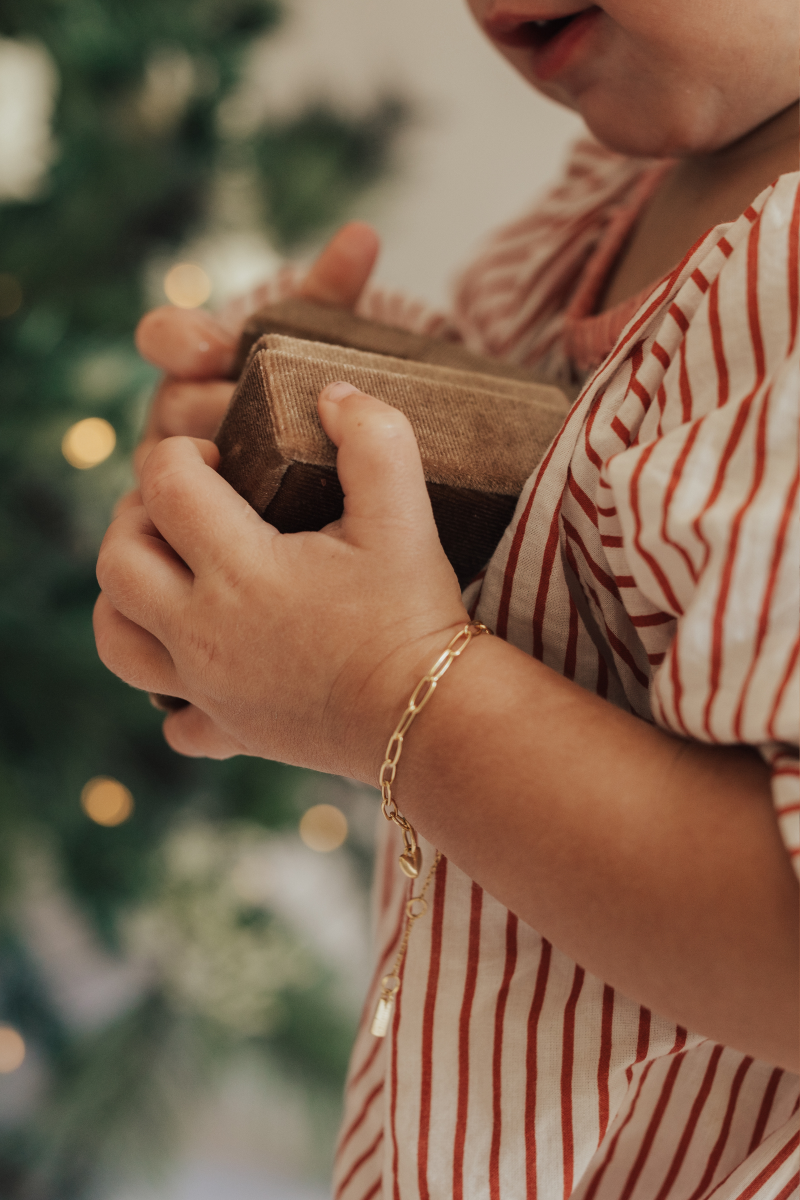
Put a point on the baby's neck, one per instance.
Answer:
(698, 193)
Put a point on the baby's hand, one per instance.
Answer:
(197, 352)
(298, 647)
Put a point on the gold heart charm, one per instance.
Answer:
(411, 862)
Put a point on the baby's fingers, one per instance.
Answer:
(184, 408)
(190, 731)
(341, 272)
(131, 652)
(379, 466)
(188, 343)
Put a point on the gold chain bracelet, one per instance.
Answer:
(411, 856)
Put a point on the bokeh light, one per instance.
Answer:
(106, 801)
(12, 1050)
(323, 827)
(186, 285)
(88, 442)
(10, 295)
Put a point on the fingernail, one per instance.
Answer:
(337, 391)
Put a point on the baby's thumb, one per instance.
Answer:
(340, 273)
(378, 463)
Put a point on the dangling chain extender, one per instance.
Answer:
(411, 857)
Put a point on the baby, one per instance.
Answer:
(601, 998)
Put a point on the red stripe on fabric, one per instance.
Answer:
(611, 542)
(790, 1189)
(591, 453)
(715, 671)
(787, 676)
(685, 386)
(661, 397)
(675, 478)
(426, 1070)
(359, 1121)
(699, 278)
(622, 431)
(691, 1123)
(734, 437)
(750, 213)
(497, 1056)
(549, 557)
(723, 380)
(622, 651)
(787, 809)
(652, 1127)
(604, 1062)
(658, 572)
(600, 575)
(725, 247)
(625, 581)
(678, 317)
(766, 604)
(597, 1178)
(752, 301)
(473, 956)
(794, 271)
(373, 1191)
(681, 1035)
(775, 1165)
(765, 1109)
(393, 1100)
(580, 495)
(656, 660)
(370, 1057)
(661, 354)
(643, 1035)
(719, 1145)
(567, 1061)
(532, 1069)
(648, 619)
(368, 1153)
(519, 534)
(606, 512)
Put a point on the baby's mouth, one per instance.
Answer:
(540, 33)
(532, 34)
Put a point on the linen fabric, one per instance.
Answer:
(653, 558)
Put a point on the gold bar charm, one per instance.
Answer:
(390, 986)
(383, 1015)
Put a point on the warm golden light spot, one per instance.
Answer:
(12, 1050)
(88, 443)
(323, 827)
(186, 285)
(10, 295)
(106, 801)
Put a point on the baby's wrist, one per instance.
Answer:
(385, 693)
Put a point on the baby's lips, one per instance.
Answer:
(189, 344)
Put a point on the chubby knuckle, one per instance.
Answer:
(162, 478)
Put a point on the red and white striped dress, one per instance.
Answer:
(654, 559)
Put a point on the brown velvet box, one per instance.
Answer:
(482, 426)
(481, 431)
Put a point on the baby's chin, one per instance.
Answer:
(640, 127)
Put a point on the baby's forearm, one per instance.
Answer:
(654, 862)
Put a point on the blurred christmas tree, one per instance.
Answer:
(139, 154)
